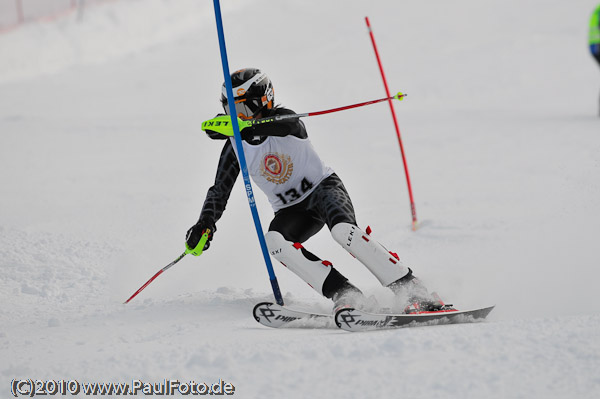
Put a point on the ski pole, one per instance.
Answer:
(413, 209)
(222, 124)
(188, 250)
(398, 97)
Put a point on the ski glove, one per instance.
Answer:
(195, 233)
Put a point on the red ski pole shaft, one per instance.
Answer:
(269, 119)
(398, 96)
(155, 276)
(194, 251)
(413, 209)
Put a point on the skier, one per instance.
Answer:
(305, 195)
(594, 34)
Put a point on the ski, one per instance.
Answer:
(350, 319)
(273, 315)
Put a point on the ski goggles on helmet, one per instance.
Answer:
(246, 108)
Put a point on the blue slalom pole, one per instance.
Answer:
(242, 157)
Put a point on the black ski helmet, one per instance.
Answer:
(252, 91)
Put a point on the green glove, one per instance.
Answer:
(202, 244)
(222, 125)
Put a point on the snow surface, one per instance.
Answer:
(104, 168)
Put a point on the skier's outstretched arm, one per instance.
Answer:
(216, 197)
(219, 128)
(285, 127)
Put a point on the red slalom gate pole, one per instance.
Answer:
(20, 15)
(413, 210)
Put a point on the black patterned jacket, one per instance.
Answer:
(228, 168)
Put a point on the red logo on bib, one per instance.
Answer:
(277, 168)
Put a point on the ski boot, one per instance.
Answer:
(418, 297)
(348, 296)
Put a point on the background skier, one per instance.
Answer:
(594, 35)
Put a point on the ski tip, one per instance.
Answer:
(255, 310)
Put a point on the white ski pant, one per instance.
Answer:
(386, 267)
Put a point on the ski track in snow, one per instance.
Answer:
(103, 169)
